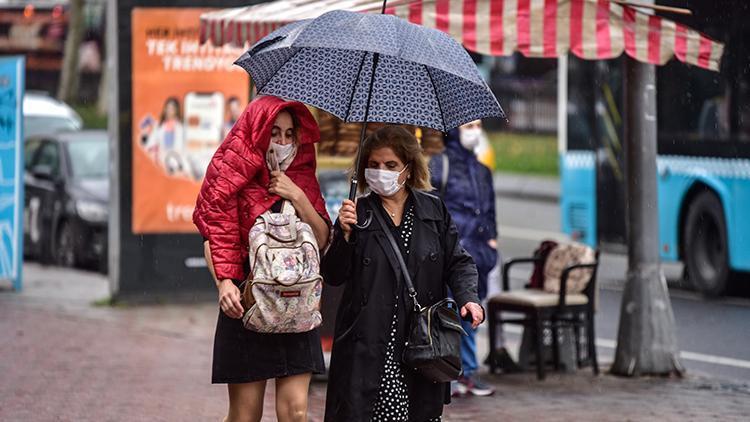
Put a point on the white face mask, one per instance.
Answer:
(384, 182)
(470, 138)
(282, 151)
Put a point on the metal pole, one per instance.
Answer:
(113, 129)
(562, 104)
(646, 340)
(640, 157)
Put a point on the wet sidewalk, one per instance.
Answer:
(66, 360)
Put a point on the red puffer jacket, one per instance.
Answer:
(235, 190)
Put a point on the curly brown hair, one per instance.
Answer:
(407, 149)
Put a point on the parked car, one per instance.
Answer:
(44, 115)
(67, 195)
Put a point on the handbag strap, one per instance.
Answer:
(397, 251)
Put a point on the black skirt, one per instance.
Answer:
(241, 355)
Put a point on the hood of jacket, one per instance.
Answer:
(453, 146)
(260, 115)
(235, 189)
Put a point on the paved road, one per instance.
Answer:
(65, 360)
(712, 334)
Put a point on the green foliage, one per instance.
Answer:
(525, 153)
(108, 302)
(92, 119)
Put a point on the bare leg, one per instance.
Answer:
(291, 398)
(246, 402)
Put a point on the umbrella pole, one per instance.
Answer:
(353, 187)
(363, 132)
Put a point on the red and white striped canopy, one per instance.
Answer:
(590, 29)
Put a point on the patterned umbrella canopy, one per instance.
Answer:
(372, 68)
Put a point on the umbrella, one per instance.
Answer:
(372, 68)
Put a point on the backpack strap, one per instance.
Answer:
(287, 208)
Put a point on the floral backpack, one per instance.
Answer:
(282, 293)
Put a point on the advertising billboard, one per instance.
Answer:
(11, 169)
(185, 97)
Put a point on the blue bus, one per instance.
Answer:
(704, 154)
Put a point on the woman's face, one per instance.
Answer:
(282, 132)
(171, 110)
(386, 159)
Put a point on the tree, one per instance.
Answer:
(646, 338)
(68, 88)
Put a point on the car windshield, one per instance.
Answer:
(47, 125)
(89, 158)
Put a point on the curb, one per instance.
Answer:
(535, 188)
(521, 194)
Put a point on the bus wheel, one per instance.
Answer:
(706, 252)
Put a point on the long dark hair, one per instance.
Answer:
(176, 103)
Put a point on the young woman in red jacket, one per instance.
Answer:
(238, 187)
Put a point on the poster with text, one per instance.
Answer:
(186, 97)
(12, 70)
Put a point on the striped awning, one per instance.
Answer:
(590, 29)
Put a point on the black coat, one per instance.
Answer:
(369, 269)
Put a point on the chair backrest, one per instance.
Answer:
(563, 256)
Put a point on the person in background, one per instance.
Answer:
(467, 190)
(234, 111)
(164, 142)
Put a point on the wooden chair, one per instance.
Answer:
(543, 309)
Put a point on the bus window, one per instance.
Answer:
(744, 110)
(580, 96)
(695, 109)
(743, 90)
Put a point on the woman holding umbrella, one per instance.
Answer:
(367, 380)
(239, 186)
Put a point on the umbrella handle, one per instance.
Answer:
(352, 195)
(367, 222)
(353, 188)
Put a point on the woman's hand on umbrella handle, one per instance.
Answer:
(347, 217)
(476, 312)
(229, 299)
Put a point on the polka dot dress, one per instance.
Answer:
(393, 399)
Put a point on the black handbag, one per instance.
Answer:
(433, 346)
